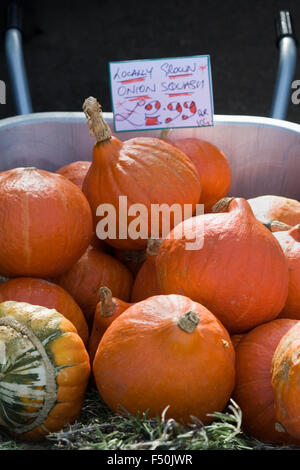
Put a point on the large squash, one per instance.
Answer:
(40, 292)
(240, 273)
(146, 170)
(44, 370)
(45, 223)
(166, 353)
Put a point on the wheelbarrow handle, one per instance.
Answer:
(15, 59)
(287, 45)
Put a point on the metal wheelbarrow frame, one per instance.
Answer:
(264, 153)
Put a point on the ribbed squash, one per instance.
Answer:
(107, 310)
(253, 390)
(240, 274)
(47, 294)
(166, 351)
(44, 370)
(146, 170)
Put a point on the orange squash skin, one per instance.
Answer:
(146, 361)
(99, 244)
(145, 284)
(235, 339)
(45, 293)
(105, 313)
(75, 172)
(253, 390)
(212, 166)
(286, 382)
(240, 274)
(290, 243)
(147, 171)
(45, 223)
(93, 270)
(268, 208)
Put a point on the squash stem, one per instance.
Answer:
(97, 125)
(277, 226)
(188, 322)
(153, 245)
(107, 306)
(222, 205)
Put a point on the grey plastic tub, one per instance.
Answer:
(264, 153)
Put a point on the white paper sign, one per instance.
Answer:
(161, 93)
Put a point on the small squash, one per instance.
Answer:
(45, 223)
(146, 284)
(146, 170)
(107, 310)
(253, 390)
(268, 208)
(286, 383)
(240, 273)
(166, 353)
(93, 270)
(212, 166)
(47, 294)
(44, 370)
(75, 172)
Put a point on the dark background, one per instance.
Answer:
(68, 44)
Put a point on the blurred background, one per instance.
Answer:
(68, 45)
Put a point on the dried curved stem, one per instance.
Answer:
(97, 125)
(223, 204)
(107, 306)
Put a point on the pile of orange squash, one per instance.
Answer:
(161, 328)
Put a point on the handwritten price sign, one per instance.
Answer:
(161, 93)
